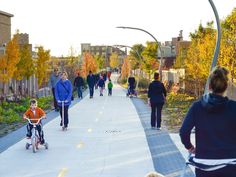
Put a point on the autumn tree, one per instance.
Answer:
(25, 67)
(150, 63)
(100, 60)
(89, 64)
(228, 44)
(126, 68)
(43, 56)
(114, 60)
(137, 59)
(199, 57)
(8, 62)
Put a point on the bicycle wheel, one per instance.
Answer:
(33, 142)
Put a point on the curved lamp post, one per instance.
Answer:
(217, 48)
(158, 44)
(140, 58)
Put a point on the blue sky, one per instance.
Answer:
(58, 25)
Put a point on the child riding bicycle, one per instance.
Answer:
(34, 113)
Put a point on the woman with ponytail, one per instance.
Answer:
(214, 119)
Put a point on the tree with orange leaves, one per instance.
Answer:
(126, 68)
(9, 61)
(89, 64)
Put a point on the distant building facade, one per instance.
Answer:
(23, 39)
(103, 50)
(5, 30)
(172, 49)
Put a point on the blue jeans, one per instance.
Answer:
(79, 90)
(91, 90)
(156, 114)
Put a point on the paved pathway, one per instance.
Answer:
(105, 139)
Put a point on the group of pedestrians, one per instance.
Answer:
(94, 82)
(62, 90)
(213, 117)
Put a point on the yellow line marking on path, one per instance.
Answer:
(63, 172)
(80, 145)
(90, 130)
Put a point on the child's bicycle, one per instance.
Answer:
(35, 139)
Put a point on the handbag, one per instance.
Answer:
(72, 96)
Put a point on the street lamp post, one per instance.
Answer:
(158, 44)
(217, 48)
(140, 58)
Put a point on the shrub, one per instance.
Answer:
(143, 83)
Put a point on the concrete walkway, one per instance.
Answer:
(105, 138)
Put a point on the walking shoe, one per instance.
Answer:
(158, 128)
(42, 141)
(61, 123)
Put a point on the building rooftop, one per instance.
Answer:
(6, 14)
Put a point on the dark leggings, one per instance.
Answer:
(229, 171)
(66, 119)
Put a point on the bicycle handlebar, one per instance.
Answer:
(30, 121)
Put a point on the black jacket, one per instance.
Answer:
(91, 80)
(131, 81)
(156, 92)
(214, 118)
(78, 82)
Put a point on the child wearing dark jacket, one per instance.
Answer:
(101, 85)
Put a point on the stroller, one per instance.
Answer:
(131, 91)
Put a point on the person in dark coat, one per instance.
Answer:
(131, 85)
(54, 78)
(79, 84)
(214, 119)
(91, 82)
(156, 99)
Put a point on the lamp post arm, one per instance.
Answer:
(217, 48)
(158, 45)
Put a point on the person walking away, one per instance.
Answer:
(34, 113)
(213, 117)
(131, 85)
(91, 83)
(109, 86)
(156, 99)
(79, 84)
(54, 78)
(101, 85)
(63, 93)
